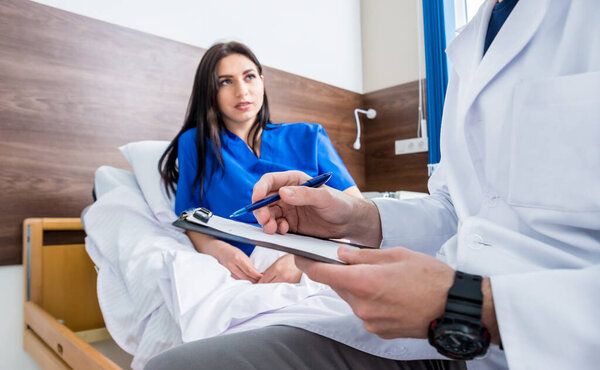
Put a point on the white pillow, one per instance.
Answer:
(108, 178)
(143, 156)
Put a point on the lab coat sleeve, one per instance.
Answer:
(551, 321)
(422, 224)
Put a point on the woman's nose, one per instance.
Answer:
(241, 89)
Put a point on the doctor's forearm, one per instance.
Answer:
(488, 314)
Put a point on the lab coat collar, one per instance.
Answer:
(466, 51)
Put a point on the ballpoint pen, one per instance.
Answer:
(313, 183)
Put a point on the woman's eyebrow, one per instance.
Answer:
(245, 72)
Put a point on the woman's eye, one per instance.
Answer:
(250, 76)
(224, 82)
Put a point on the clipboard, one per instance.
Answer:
(204, 221)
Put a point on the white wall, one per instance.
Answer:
(390, 39)
(12, 354)
(318, 39)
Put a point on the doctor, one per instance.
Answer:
(515, 200)
(505, 252)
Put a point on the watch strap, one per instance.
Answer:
(465, 297)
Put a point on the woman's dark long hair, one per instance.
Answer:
(203, 113)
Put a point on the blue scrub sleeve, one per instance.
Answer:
(187, 159)
(330, 161)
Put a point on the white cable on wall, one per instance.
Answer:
(371, 113)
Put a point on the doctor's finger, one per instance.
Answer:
(336, 276)
(283, 226)
(370, 256)
(271, 182)
(265, 214)
(306, 196)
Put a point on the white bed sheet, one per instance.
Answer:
(156, 291)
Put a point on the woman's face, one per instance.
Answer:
(241, 91)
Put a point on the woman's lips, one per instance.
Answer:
(243, 106)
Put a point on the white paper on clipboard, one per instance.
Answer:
(319, 249)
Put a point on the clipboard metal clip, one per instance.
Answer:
(202, 214)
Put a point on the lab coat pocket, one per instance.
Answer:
(555, 152)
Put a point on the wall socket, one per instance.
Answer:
(411, 145)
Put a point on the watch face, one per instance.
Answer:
(458, 340)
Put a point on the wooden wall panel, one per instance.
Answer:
(297, 99)
(73, 89)
(397, 117)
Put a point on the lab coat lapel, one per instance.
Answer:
(516, 32)
(467, 48)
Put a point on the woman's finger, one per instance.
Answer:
(236, 273)
(249, 270)
(267, 277)
(251, 274)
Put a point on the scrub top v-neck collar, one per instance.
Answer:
(242, 147)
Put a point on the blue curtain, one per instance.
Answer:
(437, 71)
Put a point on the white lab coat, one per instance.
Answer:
(520, 181)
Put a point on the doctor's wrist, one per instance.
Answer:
(488, 312)
(365, 225)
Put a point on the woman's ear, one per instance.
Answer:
(262, 78)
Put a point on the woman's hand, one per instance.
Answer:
(283, 270)
(232, 258)
(237, 262)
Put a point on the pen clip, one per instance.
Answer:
(202, 214)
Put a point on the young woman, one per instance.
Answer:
(227, 143)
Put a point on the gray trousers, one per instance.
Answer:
(281, 347)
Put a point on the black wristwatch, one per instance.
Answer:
(459, 333)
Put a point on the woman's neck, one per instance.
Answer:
(246, 133)
(243, 131)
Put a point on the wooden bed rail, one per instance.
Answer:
(66, 344)
(61, 307)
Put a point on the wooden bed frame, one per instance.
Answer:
(61, 315)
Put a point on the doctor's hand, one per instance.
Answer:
(322, 211)
(395, 292)
(283, 270)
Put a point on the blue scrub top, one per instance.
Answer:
(298, 146)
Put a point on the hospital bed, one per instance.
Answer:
(130, 241)
(147, 276)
